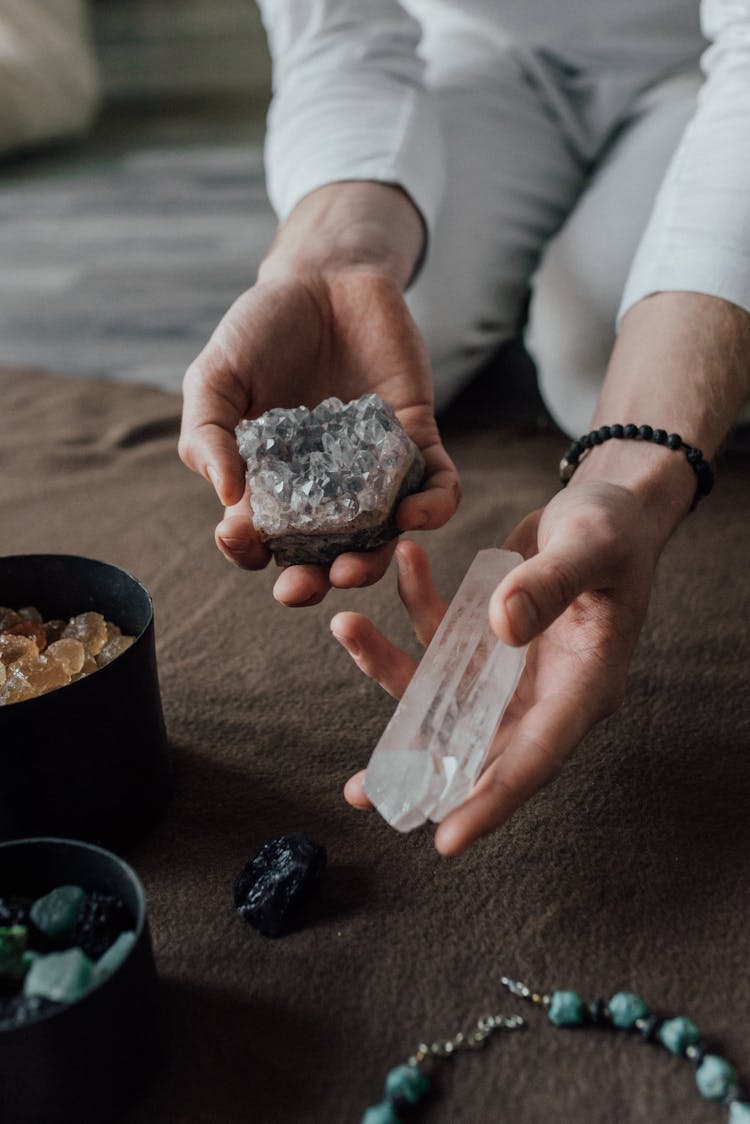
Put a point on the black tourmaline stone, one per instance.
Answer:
(272, 889)
(101, 919)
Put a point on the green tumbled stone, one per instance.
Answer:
(566, 1008)
(109, 961)
(678, 1033)
(625, 1007)
(408, 1082)
(715, 1077)
(61, 976)
(383, 1113)
(55, 914)
(739, 1112)
(12, 953)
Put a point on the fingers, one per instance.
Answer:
(353, 570)
(214, 400)
(354, 791)
(440, 495)
(373, 653)
(537, 591)
(237, 538)
(417, 590)
(543, 741)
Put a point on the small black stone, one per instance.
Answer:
(694, 455)
(605, 432)
(674, 441)
(101, 919)
(598, 1013)
(596, 437)
(650, 1025)
(272, 889)
(630, 430)
(659, 436)
(617, 431)
(646, 432)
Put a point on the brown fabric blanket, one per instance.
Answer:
(632, 871)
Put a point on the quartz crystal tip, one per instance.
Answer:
(435, 746)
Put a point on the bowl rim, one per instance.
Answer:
(138, 929)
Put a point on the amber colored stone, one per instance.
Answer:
(34, 631)
(41, 672)
(69, 652)
(113, 648)
(30, 613)
(89, 665)
(13, 648)
(90, 629)
(3, 674)
(54, 630)
(15, 690)
(8, 617)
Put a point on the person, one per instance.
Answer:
(430, 162)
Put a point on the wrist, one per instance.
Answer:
(349, 227)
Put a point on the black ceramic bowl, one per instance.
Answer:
(88, 760)
(84, 1062)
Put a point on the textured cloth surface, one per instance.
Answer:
(630, 872)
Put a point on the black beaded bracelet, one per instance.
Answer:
(673, 441)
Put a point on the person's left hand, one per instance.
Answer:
(579, 598)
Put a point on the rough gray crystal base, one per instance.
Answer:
(434, 747)
(328, 480)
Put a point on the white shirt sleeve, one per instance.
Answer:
(698, 237)
(349, 101)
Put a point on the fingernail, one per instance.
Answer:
(231, 543)
(523, 615)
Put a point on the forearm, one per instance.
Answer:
(351, 225)
(681, 363)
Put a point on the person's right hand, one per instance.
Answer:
(301, 334)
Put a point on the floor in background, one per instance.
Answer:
(120, 253)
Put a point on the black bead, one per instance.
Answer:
(630, 430)
(646, 432)
(605, 432)
(616, 431)
(649, 1027)
(574, 453)
(401, 1106)
(659, 436)
(596, 437)
(694, 455)
(698, 1052)
(674, 441)
(598, 1013)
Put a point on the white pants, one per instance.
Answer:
(552, 170)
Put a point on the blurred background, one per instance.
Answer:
(132, 205)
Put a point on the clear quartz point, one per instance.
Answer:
(435, 745)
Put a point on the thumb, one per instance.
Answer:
(537, 591)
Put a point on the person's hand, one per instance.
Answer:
(579, 598)
(304, 332)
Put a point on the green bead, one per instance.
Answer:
(566, 1008)
(383, 1113)
(12, 953)
(715, 1077)
(739, 1112)
(61, 976)
(625, 1007)
(109, 961)
(679, 1033)
(55, 914)
(407, 1082)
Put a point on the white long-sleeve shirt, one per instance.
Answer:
(352, 101)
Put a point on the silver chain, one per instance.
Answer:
(474, 1039)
